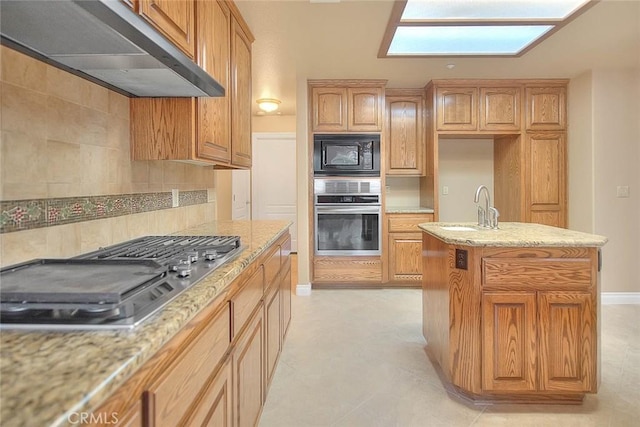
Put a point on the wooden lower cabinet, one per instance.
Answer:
(183, 380)
(132, 418)
(215, 408)
(509, 351)
(285, 298)
(273, 337)
(568, 352)
(248, 372)
(564, 356)
(404, 248)
(405, 262)
(513, 324)
(347, 270)
(213, 372)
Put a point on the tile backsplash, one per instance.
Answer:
(65, 158)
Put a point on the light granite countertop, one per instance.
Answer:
(46, 377)
(408, 209)
(511, 234)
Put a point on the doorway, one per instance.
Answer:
(273, 179)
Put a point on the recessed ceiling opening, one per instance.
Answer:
(419, 28)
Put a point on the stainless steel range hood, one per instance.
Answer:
(106, 42)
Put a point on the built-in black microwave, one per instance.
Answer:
(346, 154)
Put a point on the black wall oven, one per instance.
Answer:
(347, 217)
(346, 155)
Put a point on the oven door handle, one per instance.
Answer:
(348, 209)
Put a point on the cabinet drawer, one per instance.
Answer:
(407, 223)
(536, 273)
(271, 267)
(246, 300)
(169, 397)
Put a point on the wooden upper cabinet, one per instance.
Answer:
(456, 108)
(173, 18)
(546, 166)
(206, 130)
(500, 109)
(405, 136)
(329, 109)
(346, 105)
(364, 109)
(546, 108)
(240, 95)
(213, 139)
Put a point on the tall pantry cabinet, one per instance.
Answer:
(528, 123)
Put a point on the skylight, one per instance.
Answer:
(474, 27)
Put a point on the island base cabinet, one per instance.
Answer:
(248, 372)
(509, 334)
(568, 345)
(562, 361)
(513, 324)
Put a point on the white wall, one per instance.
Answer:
(463, 165)
(402, 191)
(616, 132)
(302, 173)
(604, 153)
(580, 158)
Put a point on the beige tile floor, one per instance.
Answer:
(356, 358)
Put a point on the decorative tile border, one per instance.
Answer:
(19, 215)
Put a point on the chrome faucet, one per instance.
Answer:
(487, 216)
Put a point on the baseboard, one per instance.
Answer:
(303, 290)
(620, 298)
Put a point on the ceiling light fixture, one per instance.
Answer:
(268, 105)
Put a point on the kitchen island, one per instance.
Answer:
(512, 314)
(184, 351)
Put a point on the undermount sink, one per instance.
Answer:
(457, 228)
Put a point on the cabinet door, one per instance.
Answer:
(364, 109)
(568, 350)
(213, 136)
(240, 96)
(457, 109)
(405, 140)
(132, 417)
(329, 106)
(546, 108)
(273, 337)
(169, 397)
(175, 19)
(509, 341)
(405, 257)
(500, 109)
(248, 373)
(547, 178)
(285, 298)
(215, 408)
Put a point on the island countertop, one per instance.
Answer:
(46, 377)
(511, 234)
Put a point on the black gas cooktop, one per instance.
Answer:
(112, 288)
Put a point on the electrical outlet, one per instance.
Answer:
(387, 188)
(445, 190)
(622, 191)
(175, 198)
